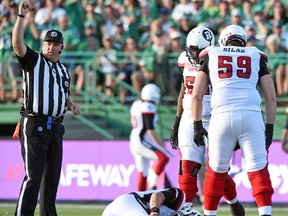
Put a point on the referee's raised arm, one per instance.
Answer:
(18, 30)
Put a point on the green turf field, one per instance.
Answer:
(76, 209)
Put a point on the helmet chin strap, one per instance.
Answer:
(191, 60)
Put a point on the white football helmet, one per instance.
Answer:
(232, 32)
(151, 92)
(198, 39)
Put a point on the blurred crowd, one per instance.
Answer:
(150, 33)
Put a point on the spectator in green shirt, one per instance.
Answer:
(146, 38)
(198, 14)
(145, 17)
(71, 37)
(130, 16)
(221, 18)
(154, 64)
(106, 61)
(31, 34)
(5, 51)
(76, 14)
(47, 16)
(92, 16)
(277, 66)
(88, 44)
(9, 67)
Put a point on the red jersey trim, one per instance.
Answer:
(205, 52)
(264, 55)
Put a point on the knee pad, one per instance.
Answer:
(189, 168)
(188, 178)
(262, 189)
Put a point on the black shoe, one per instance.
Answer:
(197, 200)
(237, 209)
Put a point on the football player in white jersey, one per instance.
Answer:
(239, 77)
(191, 156)
(161, 202)
(145, 144)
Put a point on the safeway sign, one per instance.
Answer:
(102, 170)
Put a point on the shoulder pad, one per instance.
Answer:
(182, 59)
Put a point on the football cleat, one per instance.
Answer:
(237, 209)
(188, 211)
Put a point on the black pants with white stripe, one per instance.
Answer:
(41, 149)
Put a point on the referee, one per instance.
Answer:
(46, 84)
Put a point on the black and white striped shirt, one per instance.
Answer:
(45, 84)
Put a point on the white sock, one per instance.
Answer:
(188, 204)
(265, 210)
(152, 178)
(232, 201)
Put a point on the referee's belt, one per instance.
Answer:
(55, 120)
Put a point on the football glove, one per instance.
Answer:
(174, 133)
(269, 128)
(199, 133)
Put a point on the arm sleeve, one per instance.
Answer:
(263, 66)
(148, 121)
(174, 197)
(204, 63)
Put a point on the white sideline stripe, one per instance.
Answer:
(60, 205)
(283, 208)
(26, 169)
(81, 206)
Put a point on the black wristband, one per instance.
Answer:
(22, 16)
(269, 129)
(176, 122)
(198, 125)
(155, 210)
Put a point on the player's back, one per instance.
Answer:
(137, 110)
(234, 75)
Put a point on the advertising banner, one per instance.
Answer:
(103, 170)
